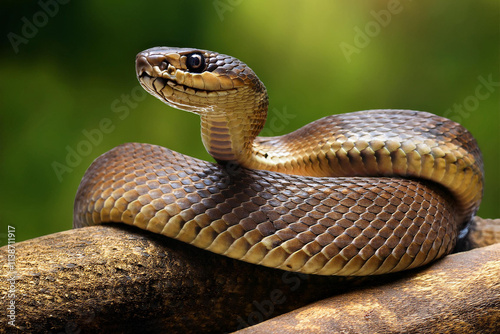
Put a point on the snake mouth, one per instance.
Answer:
(174, 94)
(162, 85)
(166, 87)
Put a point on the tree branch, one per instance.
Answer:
(459, 294)
(121, 279)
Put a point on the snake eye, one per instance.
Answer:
(195, 62)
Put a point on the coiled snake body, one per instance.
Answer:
(363, 193)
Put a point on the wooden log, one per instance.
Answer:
(459, 294)
(125, 280)
(120, 279)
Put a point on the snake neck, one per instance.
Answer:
(228, 133)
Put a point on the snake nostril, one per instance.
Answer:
(142, 66)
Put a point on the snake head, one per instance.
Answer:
(198, 80)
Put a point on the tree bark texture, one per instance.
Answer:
(117, 279)
(459, 294)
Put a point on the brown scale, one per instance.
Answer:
(341, 226)
(339, 196)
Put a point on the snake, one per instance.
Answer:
(362, 193)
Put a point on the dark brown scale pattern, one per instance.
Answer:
(328, 226)
(387, 142)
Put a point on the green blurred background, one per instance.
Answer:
(316, 58)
